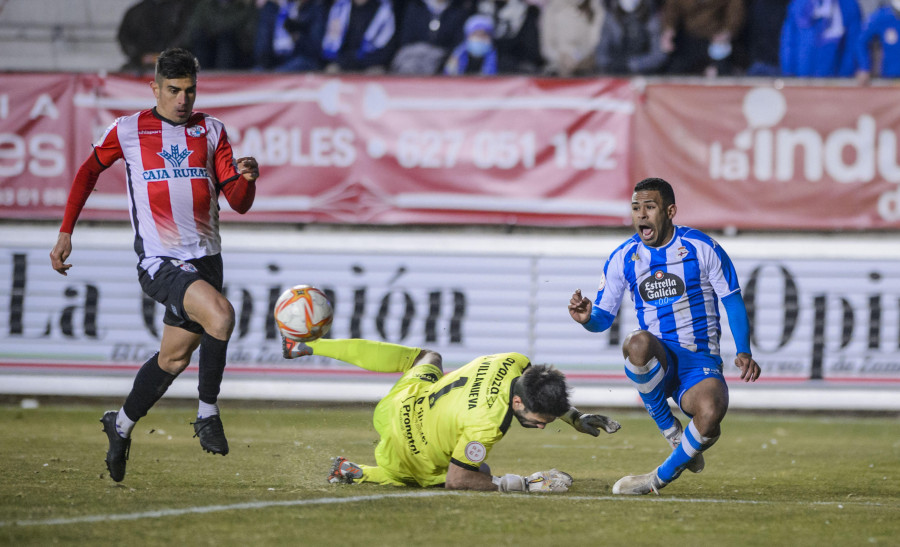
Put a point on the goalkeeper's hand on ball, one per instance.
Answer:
(553, 480)
(590, 423)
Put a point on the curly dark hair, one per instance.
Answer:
(543, 390)
(176, 63)
(659, 185)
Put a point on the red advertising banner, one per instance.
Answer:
(541, 152)
(36, 144)
(810, 158)
(350, 149)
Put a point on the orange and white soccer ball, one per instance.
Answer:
(303, 313)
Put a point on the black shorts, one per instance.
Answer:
(171, 282)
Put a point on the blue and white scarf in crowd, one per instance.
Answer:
(378, 34)
(282, 41)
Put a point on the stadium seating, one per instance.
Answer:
(54, 35)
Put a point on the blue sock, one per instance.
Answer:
(648, 380)
(692, 443)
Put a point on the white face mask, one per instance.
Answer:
(629, 6)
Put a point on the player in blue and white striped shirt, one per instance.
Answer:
(676, 277)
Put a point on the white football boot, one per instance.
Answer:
(638, 485)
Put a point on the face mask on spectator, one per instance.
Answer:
(719, 50)
(478, 47)
(629, 6)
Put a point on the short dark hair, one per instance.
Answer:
(543, 390)
(658, 185)
(176, 63)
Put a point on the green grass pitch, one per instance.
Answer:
(772, 479)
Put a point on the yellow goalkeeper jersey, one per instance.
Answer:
(428, 421)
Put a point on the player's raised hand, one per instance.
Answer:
(61, 252)
(590, 423)
(580, 307)
(593, 423)
(750, 370)
(249, 168)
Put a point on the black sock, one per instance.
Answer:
(149, 386)
(212, 366)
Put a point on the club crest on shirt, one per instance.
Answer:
(682, 252)
(661, 288)
(475, 451)
(195, 131)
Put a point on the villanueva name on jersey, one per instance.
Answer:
(176, 173)
(476, 384)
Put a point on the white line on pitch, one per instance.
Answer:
(663, 499)
(426, 494)
(217, 508)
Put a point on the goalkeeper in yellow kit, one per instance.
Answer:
(437, 429)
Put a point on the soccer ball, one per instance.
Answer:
(303, 313)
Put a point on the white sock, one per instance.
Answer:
(206, 410)
(124, 425)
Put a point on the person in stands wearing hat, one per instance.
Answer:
(476, 54)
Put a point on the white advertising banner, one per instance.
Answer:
(813, 320)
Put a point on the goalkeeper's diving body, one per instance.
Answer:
(437, 429)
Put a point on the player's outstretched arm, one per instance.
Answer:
(460, 478)
(590, 423)
(750, 370)
(61, 252)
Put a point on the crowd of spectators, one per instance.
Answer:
(797, 38)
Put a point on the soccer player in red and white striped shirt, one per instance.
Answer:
(178, 162)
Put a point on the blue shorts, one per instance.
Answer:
(686, 368)
(172, 280)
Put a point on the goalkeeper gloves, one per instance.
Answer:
(542, 481)
(590, 423)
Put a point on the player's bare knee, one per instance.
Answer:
(221, 321)
(429, 357)
(638, 346)
(708, 416)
